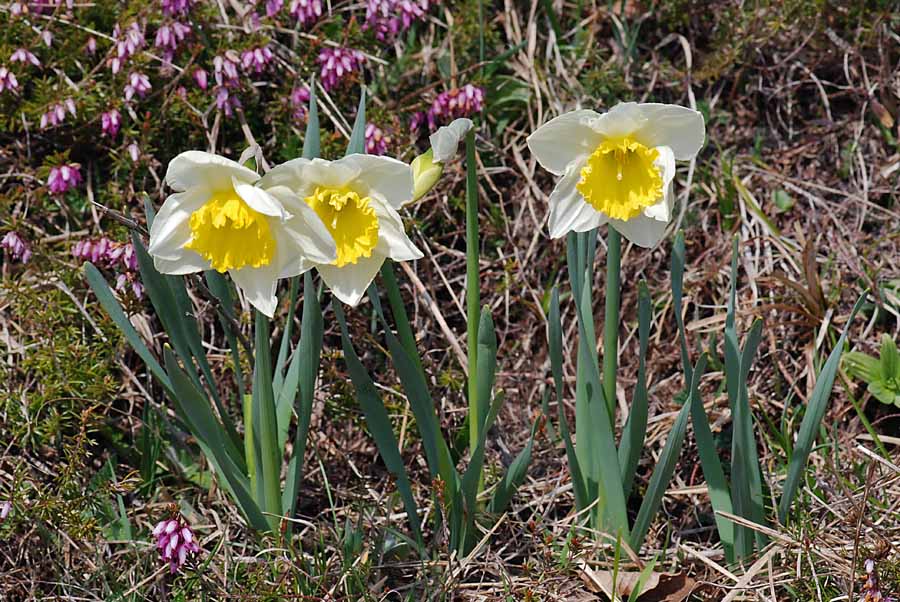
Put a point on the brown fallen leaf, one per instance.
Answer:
(658, 587)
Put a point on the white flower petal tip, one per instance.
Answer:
(445, 141)
(354, 201)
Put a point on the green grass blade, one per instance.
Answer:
(636, 426)
(486, 366)
(117, 315)
(398, 309)
(212, 439)
(437, 452)
(357, 142)
(662, 474)
(312, 139)
(268, 451)
(309, 350)
(285, 346)
(514, 476)
(815, 411)
(556, 366)
(677, 295)
(744, 431)
(473, 291)
(379, 424)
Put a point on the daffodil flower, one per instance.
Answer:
(428, 167)
(357, 199)
(219, 219)
(617, 168)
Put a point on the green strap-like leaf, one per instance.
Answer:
(267, 449)
(312, 140)
(379, 424)
(636, 426)
(357, 142)
(662, 474)
(309, 352)
(514, 476)
(117, 315)
(815, 411)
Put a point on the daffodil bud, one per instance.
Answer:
(426, 173)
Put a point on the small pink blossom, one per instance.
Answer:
(19, 251)
(306, 12)
(388, 18)
(337, 64)
(273, 7)
(376, 141)
(299, 100)
(176, 7)
(63, 178)
(8, 80)
(56, 114)
(452, 104)
(225, 69)
(175, 540)
(134, 151)
(256, 59)
(200, 78)
(138, 84)
(169, 36)
(47, 37)
(91, 45)
(110, 122)
(5, 506)
(128, 41)
(23, 55)
(226, 101)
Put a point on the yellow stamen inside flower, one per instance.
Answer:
(350, 219)
(620, 178)
(229, 234)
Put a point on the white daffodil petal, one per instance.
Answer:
(349, 282)
(383, 177)
(258, 286)
(258, 199)
(641, 230)
(303, 176)
(295, 267)
(565, 140)
(680, 128)
(662, 211)
(171, 228)
(622, 120)
(393, 241)
(446, 140)
(568, 210)
(193, 169)
(187, 262)
(305, 227)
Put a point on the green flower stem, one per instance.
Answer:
(473, 294)
(611, 319)
(268, 429)
(401, 318)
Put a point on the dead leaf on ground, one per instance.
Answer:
(658, 587)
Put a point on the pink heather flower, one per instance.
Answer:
(56, 114)
(47, 38)
(225, 101)
(175, 540)
(273, 7)
(299, 100)
(306, 11)
(416, 121)
(6, 506)
(225, 69)
(64, 178)
(17, 8)
(338, 63)
(8, 80)
(387, 18)
(91, 45)
(22, 55)
(169, 36)
(376, 141)
(139, 84)
(106, 253)
(19, 251)
(128, 42)
(134, 151)
(201, 78)
(256, 59)
(176, 7)
(110, 122)
(460, 102)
